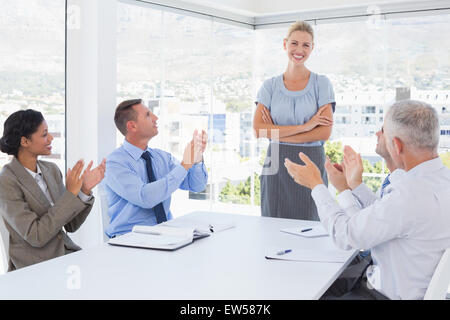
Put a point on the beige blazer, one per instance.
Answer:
(34, 226)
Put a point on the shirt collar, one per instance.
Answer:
(427, 166)
(134, 151)
(396, 174)
(34, 174)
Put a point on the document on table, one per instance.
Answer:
(308, 232)
(158, 237)
(142, 240)
(312, 255)
(203, 226)
(169, 235)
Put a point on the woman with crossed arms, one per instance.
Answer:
(34, 203)
(295, 111)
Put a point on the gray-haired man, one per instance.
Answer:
(409, 228)
(353, 200)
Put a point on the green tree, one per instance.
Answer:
(227, 192)
(240, 194)
(262, 158)
(374, 183)
(334, 151)
(237, 105)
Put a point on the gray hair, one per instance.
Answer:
(416, 123)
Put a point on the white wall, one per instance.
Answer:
(91, 94)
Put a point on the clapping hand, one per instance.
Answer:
(74, 179)
(307, 175)
(193, 153)
(199, 145)
(336, 175)
(353, 167)
(93, 177)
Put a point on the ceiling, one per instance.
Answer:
(264, 13)
(261, 8)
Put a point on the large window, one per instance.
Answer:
(354, 57)
(32, 66)
(196, 72)
(372, 64)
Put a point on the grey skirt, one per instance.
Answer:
(281, 196)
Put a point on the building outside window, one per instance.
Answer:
(200, 73)
(32, 66)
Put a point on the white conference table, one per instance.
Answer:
(230, 264)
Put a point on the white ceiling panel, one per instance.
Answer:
(258, 8)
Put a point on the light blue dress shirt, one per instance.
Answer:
(131, 197)
(289, 108)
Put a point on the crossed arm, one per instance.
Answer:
(316, 129)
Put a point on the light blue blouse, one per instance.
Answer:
(296, 107)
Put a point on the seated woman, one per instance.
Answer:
(34, 202)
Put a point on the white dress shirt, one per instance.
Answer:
(362, 196)
(43, 185)
(407, 230)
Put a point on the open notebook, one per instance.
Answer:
(159, 237)
(171, 235)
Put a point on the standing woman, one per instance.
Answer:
(34, 203)
(295, 111)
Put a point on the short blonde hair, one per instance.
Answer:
(301, 26)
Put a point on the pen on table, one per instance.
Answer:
(305, 230)
(283, 252)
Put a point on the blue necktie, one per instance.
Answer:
(159, 209)
(386, 182)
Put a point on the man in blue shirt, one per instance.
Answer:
(139, 180)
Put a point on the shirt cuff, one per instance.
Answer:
(179, 172)
(320, 193)
(361, 188)
(347, 200)
(325, 203)
(197, 166)
(83, 197)
(364, 194)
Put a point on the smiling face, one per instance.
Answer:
(39, 143)
(298, 46)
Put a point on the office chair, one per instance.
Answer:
(439, 284)
(104, 210)
(4, 248)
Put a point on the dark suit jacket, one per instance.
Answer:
(34, 226)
